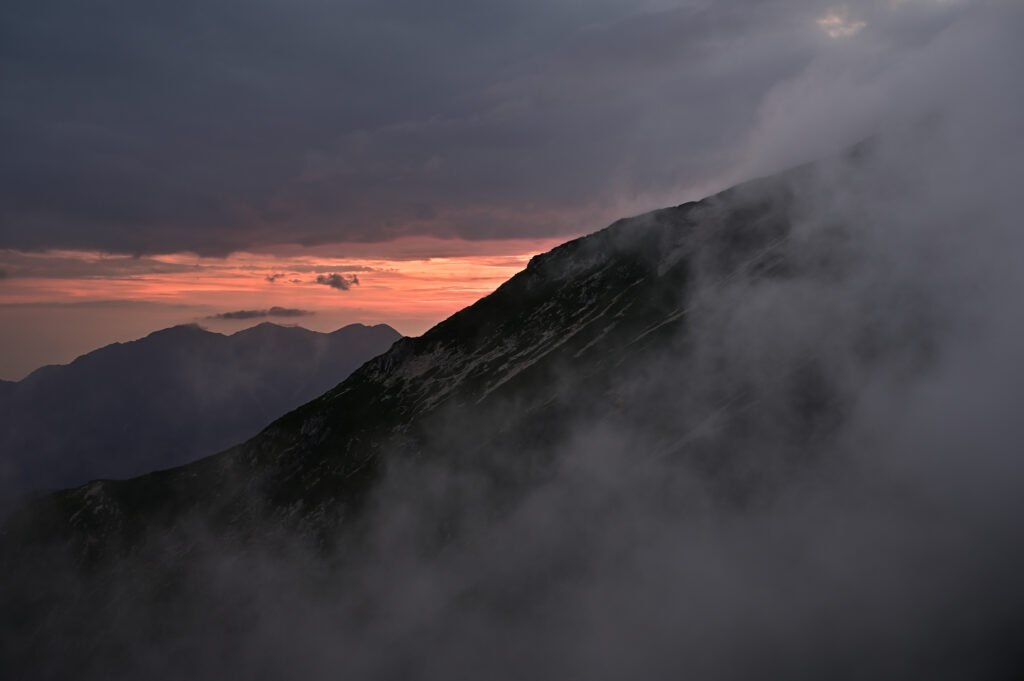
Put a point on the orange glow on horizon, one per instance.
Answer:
(411, 283)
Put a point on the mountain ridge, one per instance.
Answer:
(733, 423)
(314, 465)
(190, 327)
(175, 394)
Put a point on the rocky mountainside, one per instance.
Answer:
(510, 372)
(166, 399)
(729, 439)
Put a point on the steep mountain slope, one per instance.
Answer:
(553, 343)
(731, 439)
(163, 400)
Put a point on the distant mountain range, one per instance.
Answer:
(166, 399)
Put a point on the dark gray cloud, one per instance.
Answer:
(240, 314)
(65, 266)
(259, 314)
(144, 127)
(274, 277)
(338, 281)
(288, 312)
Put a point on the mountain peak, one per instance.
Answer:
(165, 399)
(181, 331)
(270, 328)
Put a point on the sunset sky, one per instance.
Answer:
(323, 163)
(68, 301)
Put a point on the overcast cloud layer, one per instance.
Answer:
(147, 127)
(894, 553)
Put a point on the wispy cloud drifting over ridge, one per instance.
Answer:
(259, 314)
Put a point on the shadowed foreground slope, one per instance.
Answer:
(722, 440)
(552, 341)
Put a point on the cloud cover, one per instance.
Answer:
(897, 556)
(145, 128)
(338, 281)
(275, 311)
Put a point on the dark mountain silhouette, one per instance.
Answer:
(512, 372)
(648, 454)
(166, 399)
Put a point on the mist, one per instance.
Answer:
(820, 478)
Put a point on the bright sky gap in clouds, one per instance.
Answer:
(304, 136)
(838, 24)
(401, 285)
